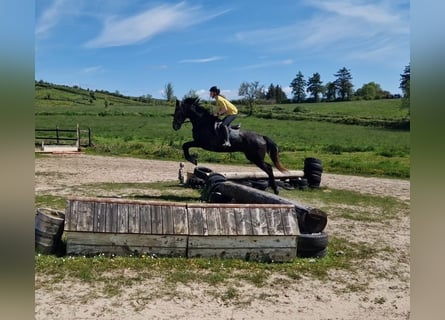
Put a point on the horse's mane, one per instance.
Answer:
(195, 102)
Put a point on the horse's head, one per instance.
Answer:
(184, 109)
(179, 116)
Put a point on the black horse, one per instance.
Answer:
(205, 136)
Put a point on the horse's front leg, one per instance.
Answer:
(185, 147)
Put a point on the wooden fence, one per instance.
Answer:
(122, 227)
(82, 137)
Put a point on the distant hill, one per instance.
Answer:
(49, 94)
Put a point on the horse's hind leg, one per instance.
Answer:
(268, 169)
(259, 162)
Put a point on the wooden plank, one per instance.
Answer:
(124, 244)
(156, 219)
(257, 248)
(228, 222)
(195, 220)
(71, 215)
(145, 219)
(214, 223)
(122, 218)
(134, 218)
(243, 221)
(180, 223)
(85, 216)
(111, 210)
(100, 217)
(274, 222)
(290, 222)
(167, 219)
(259, 222)
(242, 241)
(257, 175)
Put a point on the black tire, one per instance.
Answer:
(218, 197)
(311, 160)
(313, 221)
(302, 183)
(313, 180)
(202, 172)
(312, 254)
(260, 184)
(312, 171)
(247, 183)
(312, 241)
(215, 178)
(213, 182)
(196, 183)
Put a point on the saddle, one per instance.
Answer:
(232, 126)
(233, 130)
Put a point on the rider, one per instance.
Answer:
(225, 107)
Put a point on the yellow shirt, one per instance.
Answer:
(224, 104)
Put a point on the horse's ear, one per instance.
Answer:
(177, 103)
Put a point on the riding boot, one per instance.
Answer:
(227, 135)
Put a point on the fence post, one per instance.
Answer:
(89, 137)
(78, 138)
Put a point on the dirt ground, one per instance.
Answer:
(384, 281)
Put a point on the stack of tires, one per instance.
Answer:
(299, 183)
(212, 194)
(312, 172)
(199, 177)
(207, 180)
(312, 245)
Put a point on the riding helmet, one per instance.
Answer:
(214, 89)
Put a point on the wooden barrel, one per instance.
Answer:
(49, 225)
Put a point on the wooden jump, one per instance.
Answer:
(264, 232)
(258, 175)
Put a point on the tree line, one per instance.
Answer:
(313, 90)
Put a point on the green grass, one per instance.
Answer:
(349, 137)
(342, 254)
(146, 132)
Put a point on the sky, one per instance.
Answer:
(138, 47)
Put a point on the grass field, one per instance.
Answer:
(356, 137)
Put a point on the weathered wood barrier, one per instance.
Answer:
(264, 232)
(310, 220)
(262, 175)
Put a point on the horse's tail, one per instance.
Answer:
(272, 150)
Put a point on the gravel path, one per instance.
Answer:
(377, 290)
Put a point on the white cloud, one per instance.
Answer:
(268, 64)
(94, 69)
(50, 17)
(120, 31)
(202, 60)
(337, 27)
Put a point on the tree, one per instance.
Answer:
(315, 86)
(298, 85)
(405, 82)
(276, 93)
(280, 95)
(251, 92)
(168, 92)
(330, 91)
(343, 84)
